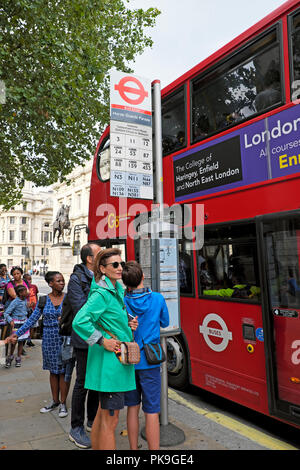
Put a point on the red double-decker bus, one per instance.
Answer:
(231, 141)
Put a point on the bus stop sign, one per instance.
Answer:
(123, 90)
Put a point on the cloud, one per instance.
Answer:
(188, 31)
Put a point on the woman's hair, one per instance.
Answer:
(101, 259)
(16, 268)
(50, 276)
(132, 274)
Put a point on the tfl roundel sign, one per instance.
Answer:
(130, 91)
(214, 326)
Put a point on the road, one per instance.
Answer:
(241, 425)
(42, 285)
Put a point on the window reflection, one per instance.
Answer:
(185, 263)
(248, 83)
(228, 265)
(173, 122)
(103, 161)
(295, 58)
(282, 247)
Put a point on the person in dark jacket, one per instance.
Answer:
(78, 291)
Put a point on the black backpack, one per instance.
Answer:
(41, 304)
(67, 313)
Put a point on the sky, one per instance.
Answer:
(188, 31)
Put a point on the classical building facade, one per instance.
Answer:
(26, 230)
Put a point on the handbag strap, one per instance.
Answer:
(114, 336)
(108, 332)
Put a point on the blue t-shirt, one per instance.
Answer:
(3, 282)
(152, 312)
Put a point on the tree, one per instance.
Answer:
(55, 56)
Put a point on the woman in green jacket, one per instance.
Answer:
(105, 312)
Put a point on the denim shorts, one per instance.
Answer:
(147, 390)
(111, 401)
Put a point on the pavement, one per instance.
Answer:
(26, 389)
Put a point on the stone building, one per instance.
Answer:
(26, 230)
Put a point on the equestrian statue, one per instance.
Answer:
(62, 223)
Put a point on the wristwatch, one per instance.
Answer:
(100, 341)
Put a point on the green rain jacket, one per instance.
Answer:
(105, 306)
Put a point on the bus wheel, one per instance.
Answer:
(177, 363)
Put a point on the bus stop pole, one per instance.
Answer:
(169, 434)
(160, 201)
(159, 188)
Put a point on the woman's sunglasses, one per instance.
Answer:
(115, 264)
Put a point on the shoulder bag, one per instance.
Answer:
(129, 352)
(41, 304)
(154, 353)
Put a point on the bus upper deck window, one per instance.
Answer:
(173, 122)
(295, 59)
(246, 83)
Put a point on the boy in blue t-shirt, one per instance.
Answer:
(152, 313)
(16, 314)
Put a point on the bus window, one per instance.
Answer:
(185, 265)
(174, 122)
(295, 66)
(282, 245)
(246, 83)
(103, 161)
(227, 264)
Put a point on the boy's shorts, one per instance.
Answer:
(147, 390)
(111, 401)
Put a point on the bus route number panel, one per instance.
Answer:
(131, 173)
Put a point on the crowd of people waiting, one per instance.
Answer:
(104, 316)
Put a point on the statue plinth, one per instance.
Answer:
(61, 259)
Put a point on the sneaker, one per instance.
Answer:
(89, 425)
(50, 407)
(63, 412)
(24, 353)
(30, 344)
(8, 361)
(79, 437)
(18, 361)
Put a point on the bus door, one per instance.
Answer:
(279, 236)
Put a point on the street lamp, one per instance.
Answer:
(46, 224)
(76, 239)
(26, 251)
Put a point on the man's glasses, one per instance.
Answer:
(115, 264)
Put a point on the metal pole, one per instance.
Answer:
(157, 149)
(164, 413)
(160, 200)
(169, 434)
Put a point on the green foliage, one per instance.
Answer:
(55, 57)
